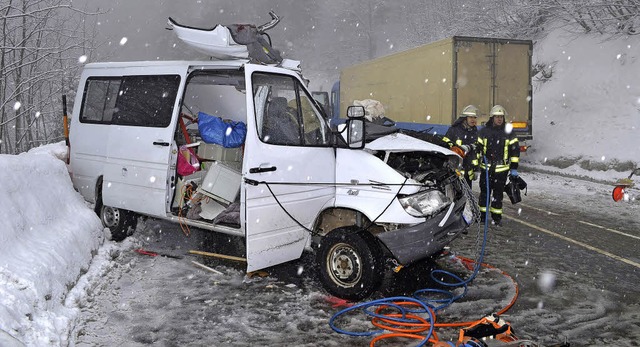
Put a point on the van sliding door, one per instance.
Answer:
(140, 137)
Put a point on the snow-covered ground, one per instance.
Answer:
(52, 246)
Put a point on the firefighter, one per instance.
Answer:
(501, 151)
(463, 133)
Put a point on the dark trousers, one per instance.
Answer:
(497, 181)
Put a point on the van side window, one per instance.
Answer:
(130, 100)
(99, 100)
(312, 122)
(146, 100)
(285, 114)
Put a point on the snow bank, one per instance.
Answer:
(47, 241)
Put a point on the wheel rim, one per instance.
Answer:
(110, 216)
(344, 265)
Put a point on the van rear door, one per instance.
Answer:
(289, 167)
(140, 140)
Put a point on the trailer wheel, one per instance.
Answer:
(350, 264)
(120, 222)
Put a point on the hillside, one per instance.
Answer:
(587, 114)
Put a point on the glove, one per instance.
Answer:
(513, 173)
(465, 148)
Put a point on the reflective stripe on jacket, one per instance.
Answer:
(502, 150)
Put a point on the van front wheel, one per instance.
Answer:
(118, 221)
(349, 261)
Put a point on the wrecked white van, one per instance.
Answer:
(286, 184)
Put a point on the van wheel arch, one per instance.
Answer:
(337, 217)
(98, 196)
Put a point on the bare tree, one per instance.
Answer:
(41, 43)
(530, 18)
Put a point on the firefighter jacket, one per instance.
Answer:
(458, 135)
(502, 150)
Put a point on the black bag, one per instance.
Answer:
(260, 50)
(513, 188)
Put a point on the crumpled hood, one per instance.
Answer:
(398, 143)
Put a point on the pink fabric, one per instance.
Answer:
(187, 161)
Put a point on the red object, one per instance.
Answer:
(337, 302)
(187, 161)
(149, 253)
(155, 254)
(618, 193)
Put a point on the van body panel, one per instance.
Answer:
(138, 157)
(91, 151)
(368, 185)
(123, 155)
(302, 180)
(399, 142)
(136, 170)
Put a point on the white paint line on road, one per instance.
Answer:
(539, 209)
(608, 229)
(610, 255)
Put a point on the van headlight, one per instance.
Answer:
(425, 204)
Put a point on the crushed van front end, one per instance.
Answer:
(411, 243)
(443, 202)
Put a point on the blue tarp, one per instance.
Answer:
(226, 133)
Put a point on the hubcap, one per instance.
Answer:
(110, 216)
(344, 265)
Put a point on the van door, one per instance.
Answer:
(289, 167)
(140, 138)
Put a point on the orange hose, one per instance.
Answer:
(399, 328)
(387, 336)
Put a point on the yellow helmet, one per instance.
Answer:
(470, 111)
(498, 110)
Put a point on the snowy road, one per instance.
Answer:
(572, 251)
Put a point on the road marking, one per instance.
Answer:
(539, 209)
(607, 229)
(611, 255)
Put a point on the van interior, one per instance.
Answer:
(208, 174)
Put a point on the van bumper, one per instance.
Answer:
(423, 240)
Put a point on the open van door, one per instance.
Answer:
(140, 141)
(288, 167)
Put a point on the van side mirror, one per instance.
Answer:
(355, 112)
(355, 127)
(355, 133)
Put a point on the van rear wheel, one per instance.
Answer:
(120, 222)
(350, 264)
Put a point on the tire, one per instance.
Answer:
(349, 263)
(120, 222)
